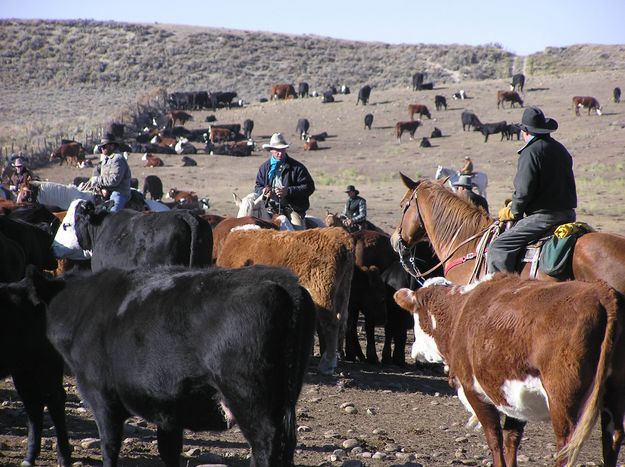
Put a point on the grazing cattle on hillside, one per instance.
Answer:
(460, 95)
(177, 116)
(282, 91)
(440, 102)
(410, 127)
(234, 350)
(535, 361)
(36, 368)
(302, 127)
(469, 119)
(152, 161)
(418, 109)
(188, 161)
(153, 186)
(508, 96)
(587, 102)
(617, 95)
(128, 239)
(248, 126)
(363, 94)
(417, 81)
(494, 128)
(327, 98)
(302, 89)
(368, 121)
(322, 259)
(518, 82)
(71, 153)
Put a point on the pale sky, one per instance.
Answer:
(522, 27)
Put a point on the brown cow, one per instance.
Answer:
(588, 102)
(311, 144)
(418, 109)
(177, 116)
(530, 350)
(508, 96)
(152, 160)
(72, 153)
(183, 197)
(218, 135)
(225, 226)
(410, 127)
(282, 91)
(322, 259)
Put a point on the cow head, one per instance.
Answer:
(87, 215)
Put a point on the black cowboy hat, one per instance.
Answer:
(351, 188)
(534, 121)
(108, 139)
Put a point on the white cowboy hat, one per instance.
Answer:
(277, 141)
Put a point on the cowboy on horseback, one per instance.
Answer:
(544, 191)
(355, 211)
(113, 174)
(284, 183)
(17, 177)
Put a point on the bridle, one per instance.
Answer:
(413, 270)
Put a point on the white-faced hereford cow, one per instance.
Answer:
(186, 349)
(129, 239)
(322, 259)
(587, 102)
(530, 350)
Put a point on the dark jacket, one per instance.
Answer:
(356, 209)
(544, 180)
(295, 178)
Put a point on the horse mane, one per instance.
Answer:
(456, 218)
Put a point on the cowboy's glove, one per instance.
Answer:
(13, 188)
(505, 214)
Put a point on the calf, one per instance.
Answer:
(511, 130)
(177, 116)
(153, 186)
(188, 161)
(71, 152)
(617, 95)
(303, 125)
(436, 133)
(588, 102)
(363, 94)
(427, 86)
(303, 89)
(511, 349)
(311, 144)
(418, 109)
(440, 102)
(508, 96)
(469, 119)
(182, 197)
(459, 95)
(425, 143)
(494, 128)
(219, 134)
(368, 121)
(248, 126)
(282, 91)
(410, 127)
(152, 160)
(518, 81)
(327, 97)
(36, 368)
(154, 350)
(345, 90)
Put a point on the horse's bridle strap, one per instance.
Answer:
(459, 261)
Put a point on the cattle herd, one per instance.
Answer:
(188, 320)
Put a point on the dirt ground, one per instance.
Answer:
(402, 416)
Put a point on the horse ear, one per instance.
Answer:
(442, 181)
(237, 200)
(410, 184)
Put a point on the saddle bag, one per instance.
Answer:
(557, 252)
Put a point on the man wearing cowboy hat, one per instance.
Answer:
(355, 211)
(544, 191)
(464, 189)
(17, 176)
(284, 182)
(467, 168)
(113, 174)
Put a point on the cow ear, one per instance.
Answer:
(410, 184)
(40, 288)
(405, 298)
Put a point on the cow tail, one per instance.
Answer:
(298, 348)
(590, 412)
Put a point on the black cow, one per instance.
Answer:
(37, 215)
(36, 368)
(327, 97)
(363, 94)
(248, 126)
(518, 81)
(129, 239)
(494, 128)
(35, 242)
(425, 142)
(221, 99)
(513, 129)
(368, 121)
(210, 118)
(236, 349)
(188, 162)
(302, 128)
(417, 81)
(427, 86)
(154, 186)
(469, 119)
(302, 89)
(440, 102)
(436, 133)
(617, 95)
(345, 90)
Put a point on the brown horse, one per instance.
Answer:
(455, 228)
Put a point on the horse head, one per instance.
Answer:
(410, 229)
(27, 193)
